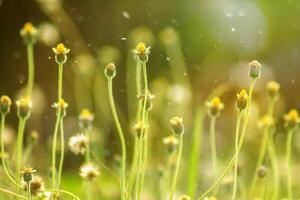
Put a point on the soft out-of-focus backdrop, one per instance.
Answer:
(195, 47)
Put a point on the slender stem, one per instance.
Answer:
(134, 167)
(178, 161)
(261, 157)
(21, 127)
(88, 149)
(138, 178)
(121, 136)
(237, 130)
(12, 193)
(89, 190)
(28, 190)
(288, 163)
(60, 78)
(30, 60)
(144, 156)
(241, 141)
(274, 162)
(195, 153)
(168, 173)
(213, 149)
(3, 153)
(64, 192)
(62, 152)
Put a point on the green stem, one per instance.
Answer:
(88, 149)
(168, 173)
(121, 137)
(30, 60)
(241, 141)
(274, 162)
(60, 78)
(178, 161)
(195, 153)
(134, 167)
(138, 178)
(62, 152)
(288, 163)
(260, 160)
(28, 191)
(12, 193)
(3, 153)
(213, 149)
(237, 130)
(21, 128)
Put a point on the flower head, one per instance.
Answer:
(86, 119)
(24, 106)
(265, 121)
(27, 173)
(273, 89)
(61, 106)
(177, 125)
(171, 142)
(184, 197)
(150, 97)
(142, 51)
(215, 106)
(5, 103)
(242, 100)
(37, 185)
(29, 33)
(79, 143)
(139, 128)
(291, 119)
(89, 171)
(110, 70)
(254, 69)
(60, 52)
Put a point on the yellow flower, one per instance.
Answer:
(85, 119)
(291, 118)
(265, 121)
(273, 89)
(61, 49)
(63, 107)
(215, 105)
(27, 173)
(142, 51)
(242, 100)
(5, 103)
(141, 48)
(29, 32)
(24, 106)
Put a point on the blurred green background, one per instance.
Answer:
(195, 44)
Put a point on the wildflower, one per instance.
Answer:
(29, 33)
(184, 197)
(5, 103)
(27, 173)
(265, 121)
(79, 143)
(242, 100)
(37, 185)
(254, 69)
(149, 103)
(171, 142)
(142, 52)
(273, 89)
(61, 107)
(177, 125)
(85, 119)
(291, 119)
(215, 106)
(60, 52)
(138, 128)
(24, 106)
(110, 70)
(89, 171)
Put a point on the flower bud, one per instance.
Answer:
(63, 107)
(242, 100)
(60, 52)
(273, 89)
(142, 52)
(24, 106)
(86, 119)
(291, 119)
(184, 197)
(177, 125)
(254, 69)
(29, 33)
(110, 70)
(5, 103)
(27, 174)
(215, 106)
(171, 142)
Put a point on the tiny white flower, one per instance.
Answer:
(89, 171)
(78, 143)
